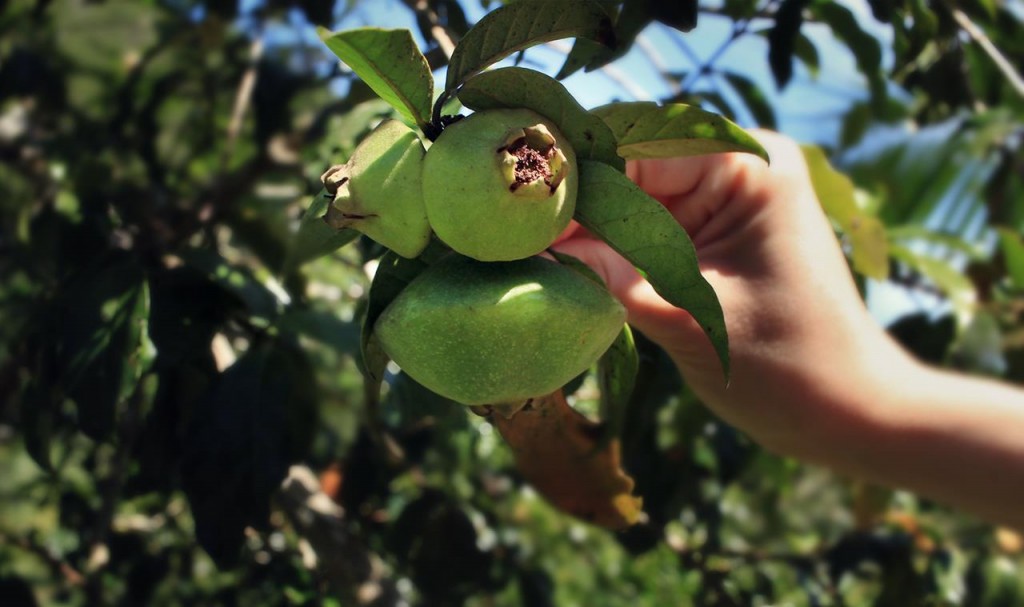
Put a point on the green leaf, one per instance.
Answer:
(1012, 244)
(782, 39)
(391, 64)
(632, 19)
(261, 302)
(957, 287)
(866, 233)
(315, 238)
(584, 53)
(953, 242)
(865, 48)
(321, 326)
(754, 98)
(643, 231)
(104, 344)
(517, 26)
(393, 274)
(616, 372)
(647, 130)
(807, 52)
(515, 87)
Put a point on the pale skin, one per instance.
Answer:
(814, 376)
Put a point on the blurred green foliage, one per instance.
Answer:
(165, 356)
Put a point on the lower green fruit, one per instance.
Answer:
(501, 332)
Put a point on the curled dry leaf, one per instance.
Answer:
(559, 452)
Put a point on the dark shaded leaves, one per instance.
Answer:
(255, 421)
(782, 39)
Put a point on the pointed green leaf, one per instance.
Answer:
(584, 53)
(391, 64)
(647, 130)
(957, 287)
(754, 98)
(643, 231)
(237, 280)
(632, 19)
(616, 372)
(517, 26)
(104, 346)
(515, 87)
(315, 238)
(1013, 252)
(782, 39)
(866, 233)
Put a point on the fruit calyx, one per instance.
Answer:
(344, 212)
(532, 163)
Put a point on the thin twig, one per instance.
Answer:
(739, 29)
(340, 554)
(997, 57)
(438, 32)
(243, 97)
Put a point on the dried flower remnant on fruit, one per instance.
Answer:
(533, 164)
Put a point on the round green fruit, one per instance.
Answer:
(500, 185)
(497, 333)
(379, 190)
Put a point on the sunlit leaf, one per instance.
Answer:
(647, 130)
(867, 236)
(643, 231)
(557, 451)
(522, 24)
(391, 64)
(514, 87)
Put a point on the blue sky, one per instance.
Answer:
(808, 109)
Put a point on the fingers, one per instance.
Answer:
(697, 189)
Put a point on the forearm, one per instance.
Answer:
(950, 437)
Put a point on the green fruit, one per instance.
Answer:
(379, 190)
(502, 332)
(500, 185)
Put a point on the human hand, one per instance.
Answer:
(801, 340)
(813, 375)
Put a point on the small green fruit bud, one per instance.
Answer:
(500, 185)
(379, 190)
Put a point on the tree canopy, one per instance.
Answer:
(187, 414)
